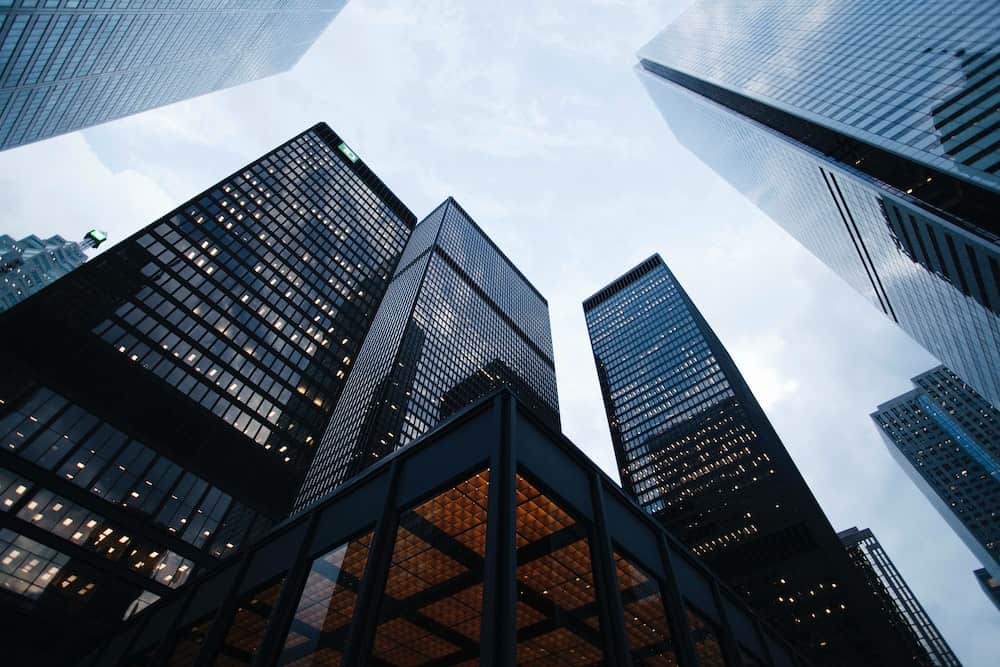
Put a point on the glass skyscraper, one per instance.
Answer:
(69, 64)
(899, 604)
(30, 264)
(458, 321)
(869, 130)
(990, 586)
(947, 439)
(697, 452)
(160, 405)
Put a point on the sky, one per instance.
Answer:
(530, 115)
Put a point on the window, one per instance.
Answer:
(706, 640)
(645, 617)
(556, 615)
(323, 617)
(432, 604)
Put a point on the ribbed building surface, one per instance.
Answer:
(69, 64)
(458, 321)
(899, 604)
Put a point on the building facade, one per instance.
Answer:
(897, 193)
(159, 406)
(946, 437)
(898, 602)
(67, 65)
(990, 586)
(697, 452)
(490, 541)
(30, 264)
(458, 321)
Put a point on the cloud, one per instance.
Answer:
(60, 186)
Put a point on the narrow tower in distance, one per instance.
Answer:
(64, 68)
(697, 451)
(159, 405)
(898, 602)
(896, 193)
(458, 321)
(946, 437)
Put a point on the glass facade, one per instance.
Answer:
(898, 601)
(477, 545)
(845, 65)
(458, 321)
(697, 452)
(69, 64)
(874, 183)
(30, 264)
(947, 439)
(990, 586)
(160, 406)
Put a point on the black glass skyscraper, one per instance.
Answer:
(946, 438)
(68, 65)
(870, 132)
(697, 452)
(160, 405)
(458, 321)
(898, 603)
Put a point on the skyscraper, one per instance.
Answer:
(491, 541)
(30, 264)
(898, 602)
(697, 452)
(869, 133)
(68, 65)
(458, 321)
(947, 439)
(160, 405)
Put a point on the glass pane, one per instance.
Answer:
(247, 629)
(433, 597)
(706, 640)
(557, 615)
(645, 618)
(323, 618)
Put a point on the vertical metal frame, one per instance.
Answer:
(609, 601)
(730, 648)
(281, 616)
(676, 612)
(362, 633)
(498, 629)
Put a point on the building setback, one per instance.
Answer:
(66, 68)
(898, 602)
(30, 264)
(896, 193)
(458, 321)
(490, 541)
(697, 452)
(946, 437)
(160, 405)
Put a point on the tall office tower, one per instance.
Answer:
(870, 135)
(30, 264)
(64, 68)
(159, 406)
(898, 602)
(695, 449)
(947, 439)
(458, 321)
(990, 586)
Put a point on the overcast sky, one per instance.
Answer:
(531, 117)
